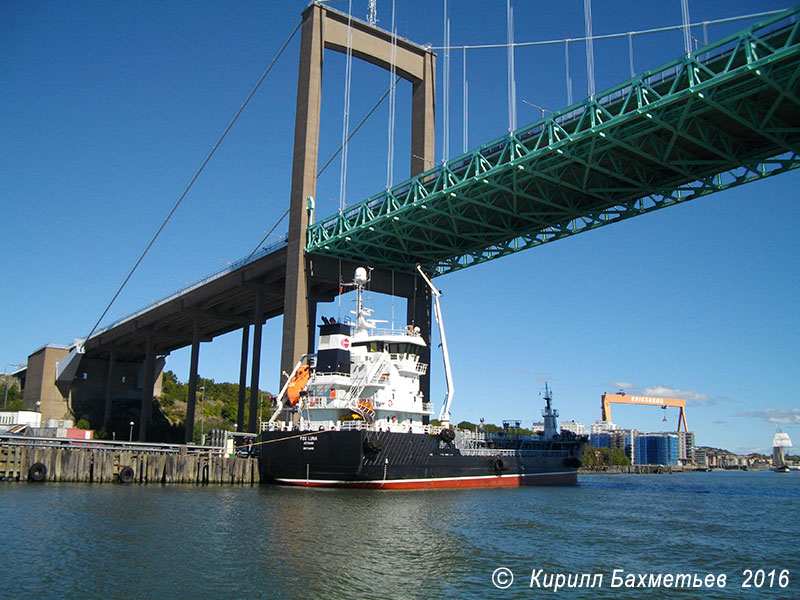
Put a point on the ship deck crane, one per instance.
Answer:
(444, 415)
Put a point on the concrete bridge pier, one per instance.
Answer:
(148, 382)
(110, 381)
(242, 378)
(258, 322)
(191, 400)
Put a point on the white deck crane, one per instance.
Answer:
(444, 414)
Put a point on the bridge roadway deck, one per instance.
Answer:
(725, 115)
(222, 303)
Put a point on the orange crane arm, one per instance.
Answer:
(607, 399)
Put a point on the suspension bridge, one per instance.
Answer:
(721, 116)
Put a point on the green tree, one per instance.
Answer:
(588, 458)
(13, 396)
(619, 458)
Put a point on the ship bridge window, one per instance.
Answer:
(404, 348)
(372, 346)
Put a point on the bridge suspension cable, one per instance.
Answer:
(357, 127)
(609, 36)
(193, 179)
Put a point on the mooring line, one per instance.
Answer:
(291, 437)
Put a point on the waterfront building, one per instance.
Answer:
(700, 458)
(18, 419)
(625, 440)
(573, 426)
(686, 454)
(657, 449)
(600, 433)
(59, 383)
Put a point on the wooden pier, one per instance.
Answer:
(111, 464)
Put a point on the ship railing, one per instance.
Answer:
(388, 331)
(510, 452)
(355, 425)
(489, 452)
(317, 375)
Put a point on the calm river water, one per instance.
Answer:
(111, 541)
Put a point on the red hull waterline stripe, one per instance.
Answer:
(516, 480)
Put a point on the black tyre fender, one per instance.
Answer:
(500, 463)
(447, 435)
(372, 445)
(37, 472)
(126, 475)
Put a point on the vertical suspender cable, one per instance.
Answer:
(346, 115)
(705, 35)
(630, 54)
(587, 17)
(687, 31)
(512, 85)
(392, 95)
(446, 88)
(466, 103)
(345, 132)
(569, 79)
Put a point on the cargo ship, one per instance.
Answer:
(353, 415)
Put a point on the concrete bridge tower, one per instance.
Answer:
(324, 28)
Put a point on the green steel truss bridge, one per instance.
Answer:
(725, 115)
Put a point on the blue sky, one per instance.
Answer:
(108, 109)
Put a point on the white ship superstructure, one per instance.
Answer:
(362, 376)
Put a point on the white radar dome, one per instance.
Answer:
(361, 276)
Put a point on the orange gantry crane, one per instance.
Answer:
(623, 398)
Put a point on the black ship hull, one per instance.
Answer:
(392, 460)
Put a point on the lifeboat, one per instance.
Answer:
(298, 383)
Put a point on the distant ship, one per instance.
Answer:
(780, 442)
(353, 415)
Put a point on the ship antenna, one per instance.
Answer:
(360, 279)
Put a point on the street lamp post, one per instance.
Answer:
(130, 435)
